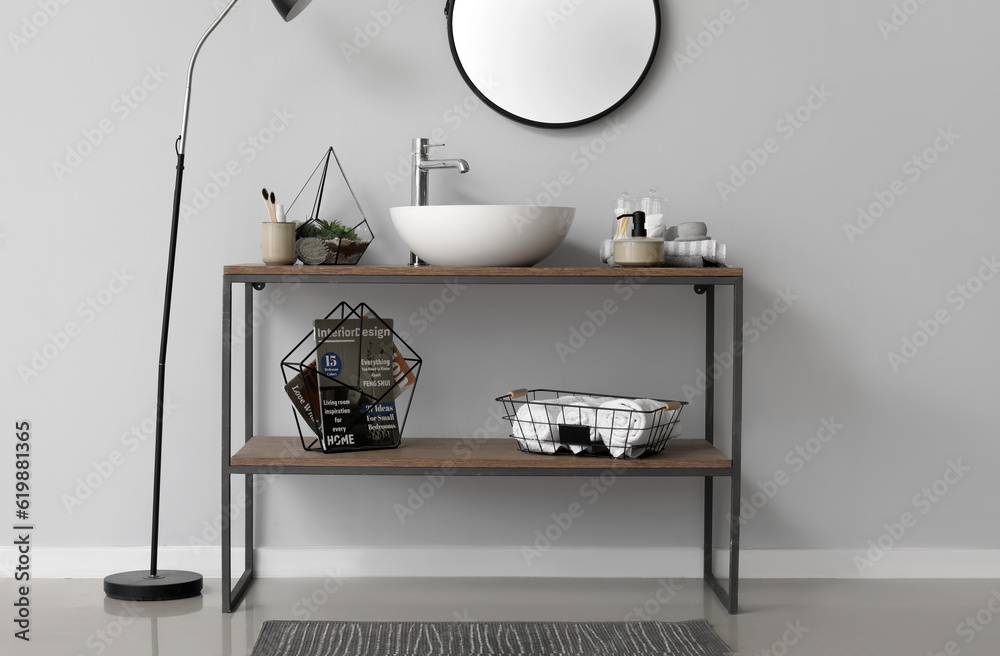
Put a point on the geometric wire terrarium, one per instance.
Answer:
(334, 230)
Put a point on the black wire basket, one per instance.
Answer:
(348, 395)
(558, 422)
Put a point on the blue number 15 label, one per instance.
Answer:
(330, 365)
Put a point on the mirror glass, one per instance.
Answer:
(553, 63)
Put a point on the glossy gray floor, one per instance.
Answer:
(814, 618)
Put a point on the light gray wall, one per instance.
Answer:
(65, 235)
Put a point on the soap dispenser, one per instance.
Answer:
(638, 250)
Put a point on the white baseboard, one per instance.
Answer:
(289, 562)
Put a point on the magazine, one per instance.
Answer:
(355, 361)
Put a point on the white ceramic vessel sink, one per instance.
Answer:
(482, 235)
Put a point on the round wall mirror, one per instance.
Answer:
(553, 63)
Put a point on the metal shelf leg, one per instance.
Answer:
(232, 596)
(737, 436)
(730, 597)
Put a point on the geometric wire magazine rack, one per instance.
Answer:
(302, 361)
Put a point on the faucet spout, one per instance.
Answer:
(460, 164)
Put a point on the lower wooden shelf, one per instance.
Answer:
(680, 457)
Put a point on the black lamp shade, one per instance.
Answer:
(289, 9)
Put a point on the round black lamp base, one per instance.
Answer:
(140, 586)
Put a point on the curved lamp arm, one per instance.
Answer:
(182, 140)
(288, 9)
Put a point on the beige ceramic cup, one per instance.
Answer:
(278, 243)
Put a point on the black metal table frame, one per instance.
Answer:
(233, 595)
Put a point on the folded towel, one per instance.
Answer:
(709, 249)
(623, 423)
(533, 427)
(636, 451)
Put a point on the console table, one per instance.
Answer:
(498, 457)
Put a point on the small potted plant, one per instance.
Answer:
(343, 245)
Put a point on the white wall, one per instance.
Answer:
(65, 235)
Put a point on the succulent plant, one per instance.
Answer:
(325, 230)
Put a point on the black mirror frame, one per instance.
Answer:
(448, 12)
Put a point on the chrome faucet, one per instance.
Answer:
(418, 185)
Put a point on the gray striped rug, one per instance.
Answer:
(293, 638)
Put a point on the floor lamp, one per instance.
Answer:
(157, 584)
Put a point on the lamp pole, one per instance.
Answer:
(156, 584)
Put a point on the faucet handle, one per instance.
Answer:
(421, 144)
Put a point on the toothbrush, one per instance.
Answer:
(267, 201)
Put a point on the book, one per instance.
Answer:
(355, 361)
(303, 390)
